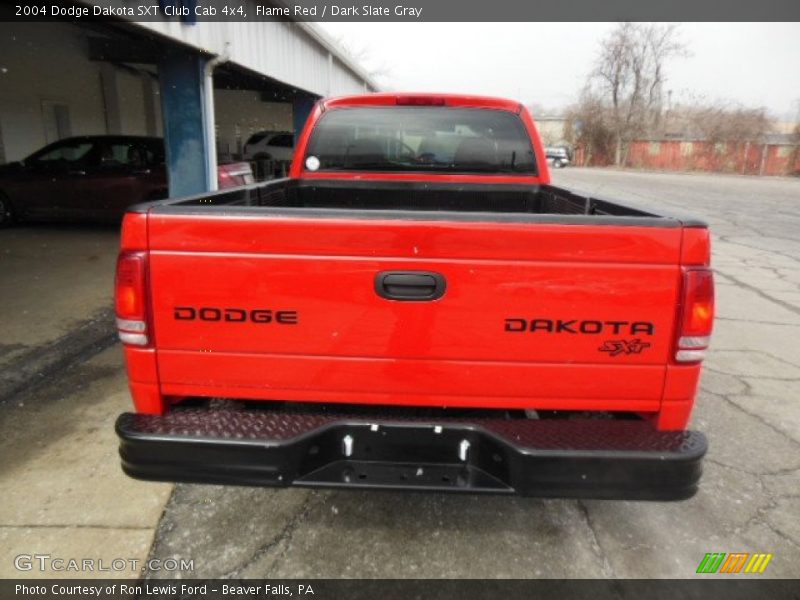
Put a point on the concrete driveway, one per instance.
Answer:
(749, 499)
(63, 493)
(56, 285)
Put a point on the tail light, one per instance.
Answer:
(224, 178)
(420, 101)
(697, 315)
(130, 301)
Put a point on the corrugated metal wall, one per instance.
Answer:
(281, 50)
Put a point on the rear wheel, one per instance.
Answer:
(6, 212)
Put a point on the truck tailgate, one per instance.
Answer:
(533, 314)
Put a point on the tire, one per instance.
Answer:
(558, 164)
(6, 211)
(260, 171)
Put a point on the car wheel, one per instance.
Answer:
(558, 164)
(6, 212)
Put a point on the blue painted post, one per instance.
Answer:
(183, 107)
(301, 108)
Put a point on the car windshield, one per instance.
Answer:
(283, 140)
(256, 138)
(459, 140)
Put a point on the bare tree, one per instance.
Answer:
(663, 45)
(721, 121)
(630, 73)
(588, 126)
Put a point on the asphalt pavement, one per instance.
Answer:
(749, 499)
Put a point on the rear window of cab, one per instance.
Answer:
(425, 138)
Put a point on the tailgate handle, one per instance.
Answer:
(410, 285)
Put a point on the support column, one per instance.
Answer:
(185, 111)
(149, 95)
(301, 108)
(108, 79)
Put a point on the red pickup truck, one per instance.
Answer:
(415, 306)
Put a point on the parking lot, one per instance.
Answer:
(64, 494)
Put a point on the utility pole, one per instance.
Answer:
(668, 115)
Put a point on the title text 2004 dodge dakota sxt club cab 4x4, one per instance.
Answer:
(415, 307)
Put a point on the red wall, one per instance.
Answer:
(731, 157)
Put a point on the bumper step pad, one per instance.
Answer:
(397, 449)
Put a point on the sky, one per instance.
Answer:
(752, 64)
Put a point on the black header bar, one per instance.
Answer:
(198, 11)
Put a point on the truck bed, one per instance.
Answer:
(372, 198)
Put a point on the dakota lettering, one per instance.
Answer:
(577, 327)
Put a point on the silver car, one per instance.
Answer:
(269, 145)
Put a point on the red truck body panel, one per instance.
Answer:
(350, 345)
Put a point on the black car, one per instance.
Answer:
(92, 178)
(557, 156)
